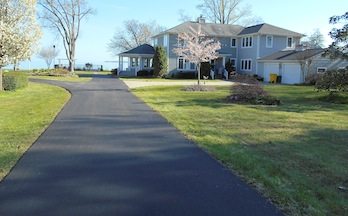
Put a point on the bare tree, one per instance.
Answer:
(65, 17)
(48, 54)
(134, 34)
(224, 11)
(196, 48)
(315, 40)
(183, 16)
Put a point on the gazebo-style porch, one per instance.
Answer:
(137, 59)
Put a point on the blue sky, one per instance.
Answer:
(298, 15)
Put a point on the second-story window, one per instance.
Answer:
(269, 41)
(247, 42)
(233, 42)
(290, 42)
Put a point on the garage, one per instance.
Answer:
(270, 68)
(291, 73)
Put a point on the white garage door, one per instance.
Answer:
(291, 74)
(270, 68)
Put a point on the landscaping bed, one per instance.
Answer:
(296, 153)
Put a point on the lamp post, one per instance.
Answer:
(54, 56)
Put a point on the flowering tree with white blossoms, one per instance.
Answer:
(19, 31)
(196, 47)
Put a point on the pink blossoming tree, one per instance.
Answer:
(196, 47)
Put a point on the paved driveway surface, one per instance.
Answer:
(108, 153)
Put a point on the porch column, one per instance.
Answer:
(120, 63)
(223, 62)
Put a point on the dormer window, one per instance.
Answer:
(247, 42)
(269, 41)
(290, 42)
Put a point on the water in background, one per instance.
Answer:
(40, 64)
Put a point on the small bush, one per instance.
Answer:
(229, 66)
(145, 73)
(333, 82)
(185, 75)
(205, 69)
(14, 80)
(245, 79)
(201, 88)
(312, 79)
(251, 94)
(50, 72)
(114, 72)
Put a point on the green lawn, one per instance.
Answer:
(296, 154)
(25, 114)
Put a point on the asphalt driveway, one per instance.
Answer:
(108, 153)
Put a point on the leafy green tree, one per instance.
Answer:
(160, 62)
(339, 47)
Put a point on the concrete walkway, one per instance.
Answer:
(108, 153)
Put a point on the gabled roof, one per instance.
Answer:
(209, 29)
(290, 55)
(266, 29)
(144, 49)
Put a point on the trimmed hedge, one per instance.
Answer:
(14, 80)
(145, 73)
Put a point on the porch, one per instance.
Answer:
(135, 60)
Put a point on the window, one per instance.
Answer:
(321, 69)
(166, 40)
(134, 62)
(269, 41)
(147, 62)
(181, 43)
(247, 42)
(233, 42)
(181, 64)
(246, 64)
(185, 65)
(290, 42)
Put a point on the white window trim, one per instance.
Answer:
(252, 42)
(267, 46)
(318, 68)
(184, 64)
(235, 44)
(251, 64)
(292, 42)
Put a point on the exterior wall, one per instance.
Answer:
(330, 64)
(247, 53)
(279, 43)
(173, 58)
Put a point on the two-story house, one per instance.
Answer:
(260, 49)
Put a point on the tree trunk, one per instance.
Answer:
(199, 73)
(1, 88)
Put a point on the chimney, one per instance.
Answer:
(201, 19)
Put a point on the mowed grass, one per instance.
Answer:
(24, 115)
(296, 153)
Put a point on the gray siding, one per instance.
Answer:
(327, 63)
(247, 53)
(279, 43)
